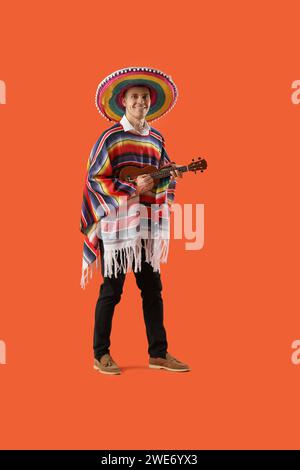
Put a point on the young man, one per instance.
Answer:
(131, 97)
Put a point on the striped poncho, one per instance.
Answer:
(109, 206)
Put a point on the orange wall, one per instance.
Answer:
(232, 308)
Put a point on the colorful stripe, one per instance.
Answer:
(114, 149)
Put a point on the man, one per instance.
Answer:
(130, 94)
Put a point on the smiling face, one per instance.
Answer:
(137, 102)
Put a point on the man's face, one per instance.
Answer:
(137, 102)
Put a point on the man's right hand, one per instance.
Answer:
(144, 183)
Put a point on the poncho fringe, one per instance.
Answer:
(128, 257)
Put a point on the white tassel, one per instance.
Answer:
(84, 278)
(129, 258)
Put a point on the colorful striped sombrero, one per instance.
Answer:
(111, 90)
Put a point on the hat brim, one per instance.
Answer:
(111, 91)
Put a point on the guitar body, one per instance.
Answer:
(132, 171)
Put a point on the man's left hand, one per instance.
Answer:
(175, 173)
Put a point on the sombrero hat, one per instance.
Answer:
(111, 91)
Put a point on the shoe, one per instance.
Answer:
(169, 363)
(106, 365)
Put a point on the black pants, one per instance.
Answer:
(149, 283)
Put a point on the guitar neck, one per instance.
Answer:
(167, 171)
(199, 165)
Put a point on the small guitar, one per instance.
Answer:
(130, 173)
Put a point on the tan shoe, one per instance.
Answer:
(106, 365)
(169, 363)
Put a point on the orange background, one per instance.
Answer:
(232, 308)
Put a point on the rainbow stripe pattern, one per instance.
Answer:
(113, 150)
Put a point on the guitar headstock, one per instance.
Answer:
(198, 165)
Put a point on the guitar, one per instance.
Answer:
(130, 173)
